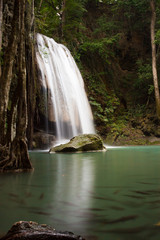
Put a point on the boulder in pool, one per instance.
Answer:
(81, 143)
(24, 230)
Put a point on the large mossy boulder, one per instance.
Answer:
(81, 143)
(33, 231)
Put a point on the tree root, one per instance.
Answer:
(4, 151)
(16, 158)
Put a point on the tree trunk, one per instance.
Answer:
(22, 110)
(14, 73)
(154, 66)
(11, 115)
(31, 71)
(6, 77)
(1, 18)
(19, 154)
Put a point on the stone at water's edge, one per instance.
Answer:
(42, 140)
(33, 231)
(84, 142)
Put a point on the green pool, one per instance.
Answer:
(113, 195)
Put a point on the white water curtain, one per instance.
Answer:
(68, 105)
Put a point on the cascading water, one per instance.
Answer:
(66, 101)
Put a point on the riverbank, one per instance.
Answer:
(142, 130)
(131, 137)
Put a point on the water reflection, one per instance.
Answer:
(75, 179)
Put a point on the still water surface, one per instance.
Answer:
(113, 195)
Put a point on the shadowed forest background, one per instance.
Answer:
(111, 43)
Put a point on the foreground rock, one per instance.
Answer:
(33, 231)
(85, 142)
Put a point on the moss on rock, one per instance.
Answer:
(85, 142)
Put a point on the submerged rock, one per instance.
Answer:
(31, 230)
(85, 142)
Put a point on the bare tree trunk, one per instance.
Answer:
(19, 154)
(1, 18)
(154, 66)
(31, 71)
(18, 158)
(11, 125)
(6, 77)
(22, 111)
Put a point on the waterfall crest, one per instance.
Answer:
(66, 101)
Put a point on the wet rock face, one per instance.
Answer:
(84, 142)
(33, 231)
(42, 140)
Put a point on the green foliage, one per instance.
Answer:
(99, 113)
(126, 13)
(103, 115)
(144, 78)
(47, 20)
(53, 18)
(137, 111)
(73, 25)
(150, 89)
(104, 106)
(106, 26)
(96, 47)
(144, 72)
(117, 127)
(101, 47)
(110, 41)
(74, 12)
(132, 6)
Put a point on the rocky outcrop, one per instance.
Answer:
(33, 231)
(142, 130)
(84, 142)
(42, 140)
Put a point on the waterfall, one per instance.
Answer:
(66, 101)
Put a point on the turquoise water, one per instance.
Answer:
(113, 195)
